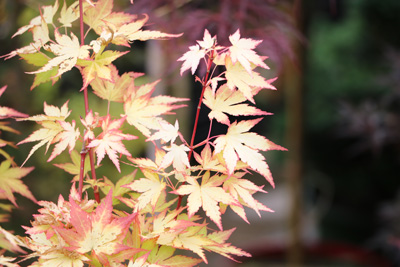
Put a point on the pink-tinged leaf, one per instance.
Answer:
(207, 195)
(110, 141)
(247, 83)
(10, 242)
(242, 51)
(144, 112)
(167, 132)
(151, 188)
(51, 127)
(116, 90)
(129, 32)
(180, 261)
(67, 51)
(177, 156)
(228, 101)
(191, 59)
(95, 16)
(193, 241)
(67, 139)
(99, 67)
(208, 161)
(10, 181)
(225, 249)
(243, 189)
(97, 231)
(238, 143)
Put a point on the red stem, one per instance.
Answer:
(196, 121)
(86, 100)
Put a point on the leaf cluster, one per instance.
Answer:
(141, 221)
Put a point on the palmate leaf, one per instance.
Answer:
(238, 143)
(242, 51)
(100, 16)
(132, 31)
(191, 59)
(150, 188)
(52, 127)
(98, 68)
(207, 195)
(194, 240)
(39, 60)
(67, 51)
(228, 101)
(242, 190)
(118, 88)
(177, 156)
(97, 232)
(164, 256)
(225, 249)
(110, 141)
(144, 112)
(238, 77)
(10, 182)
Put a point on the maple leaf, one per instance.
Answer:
(7, 261)
(238, 77)
(192, 240)
(208, 161)
(10, 242)
(167, 132)
(207, 195)
(238, 143)
(98, 67)
(150, 188)
(39, 60)
(51, 127)
(228, 101)
(224, 248)
(67, 137)
(100, 15)
(10, 182)
(97, 232)
(191, 59)
(144, 111)
(177, 156)
(130, 32)
(242, 51)
(242, 190)
(166, 227)
(109, 141)
(62, 257)
(69, 14)
(148, 163)
(47, 15)
(67, 51)
(116, 90)
(164, 256)
(40, 34)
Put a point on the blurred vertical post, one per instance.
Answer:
(293, 84)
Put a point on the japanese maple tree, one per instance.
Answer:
(145, 218)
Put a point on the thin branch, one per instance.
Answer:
(196, 122)
(86, 100)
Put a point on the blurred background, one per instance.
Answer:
(337, 110)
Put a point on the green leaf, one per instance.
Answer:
(10, 182)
